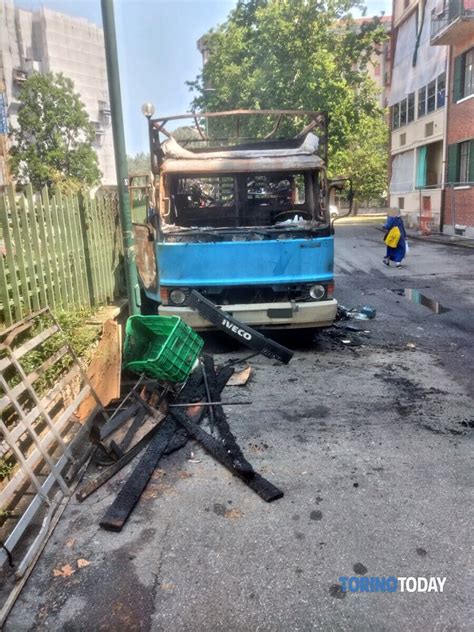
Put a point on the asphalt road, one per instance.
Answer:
(371, 443)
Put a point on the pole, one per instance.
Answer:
(131, 275)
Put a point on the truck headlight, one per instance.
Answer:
(178, 296)
(317, 292)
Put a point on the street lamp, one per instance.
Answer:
(148, 109)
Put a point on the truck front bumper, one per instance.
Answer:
(264, 315)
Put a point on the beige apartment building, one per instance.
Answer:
(46, 41)
(417, 103)
(379, 68)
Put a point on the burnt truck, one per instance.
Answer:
(245, 221)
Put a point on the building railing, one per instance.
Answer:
(444, 14)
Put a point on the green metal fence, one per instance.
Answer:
(64, 251)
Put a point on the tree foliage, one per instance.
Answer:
(52, 144)
(138, 163)
(302, 54)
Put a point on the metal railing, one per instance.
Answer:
(445, 14)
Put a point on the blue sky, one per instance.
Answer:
(157, 50)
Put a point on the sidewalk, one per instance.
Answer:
(361, 219)
(440, 238)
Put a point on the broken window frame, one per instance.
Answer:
(315, 202)
(431, 97)
(422, 102)
(411, 107)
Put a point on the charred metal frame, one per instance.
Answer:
(317, 121)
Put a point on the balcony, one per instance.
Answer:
(19, 76)
(450, 21)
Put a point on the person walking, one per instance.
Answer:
(395, 238)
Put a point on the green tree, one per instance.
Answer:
(297, 54)
(52, 144)
(138, 163)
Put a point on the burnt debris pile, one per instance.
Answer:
(157, 417)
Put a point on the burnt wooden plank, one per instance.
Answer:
(220, 420)
(134, 426)
(115, 422)
(266, 490)
(91, 486)
(119, 511)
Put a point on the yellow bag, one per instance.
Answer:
(393, 237)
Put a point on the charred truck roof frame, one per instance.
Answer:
(244, 220)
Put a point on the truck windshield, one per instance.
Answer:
(247, 199)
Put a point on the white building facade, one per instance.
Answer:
(46, 41)
(417, 115)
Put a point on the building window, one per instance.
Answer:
(396, 116)
(401, 203)
(461, 162)
(403, 112)
(463, 75)
(411, 107)
(469, 72)
(422, 101)
(464, 158)
(441, 91)
(431, 100)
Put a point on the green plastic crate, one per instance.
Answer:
(163, 347)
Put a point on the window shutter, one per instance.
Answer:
(453, 163)
(458, 79)
(471, 161)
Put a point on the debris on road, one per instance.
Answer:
(241, 378)
(366, 312)
(171, 413)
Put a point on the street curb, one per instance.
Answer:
(445, 242)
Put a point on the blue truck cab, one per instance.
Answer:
(245, 224)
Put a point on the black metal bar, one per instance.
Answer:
(238, 330)
(208, 395)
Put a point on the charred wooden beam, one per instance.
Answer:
(266, 490)
(220, 420)
(120, 510)
(91, 486)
